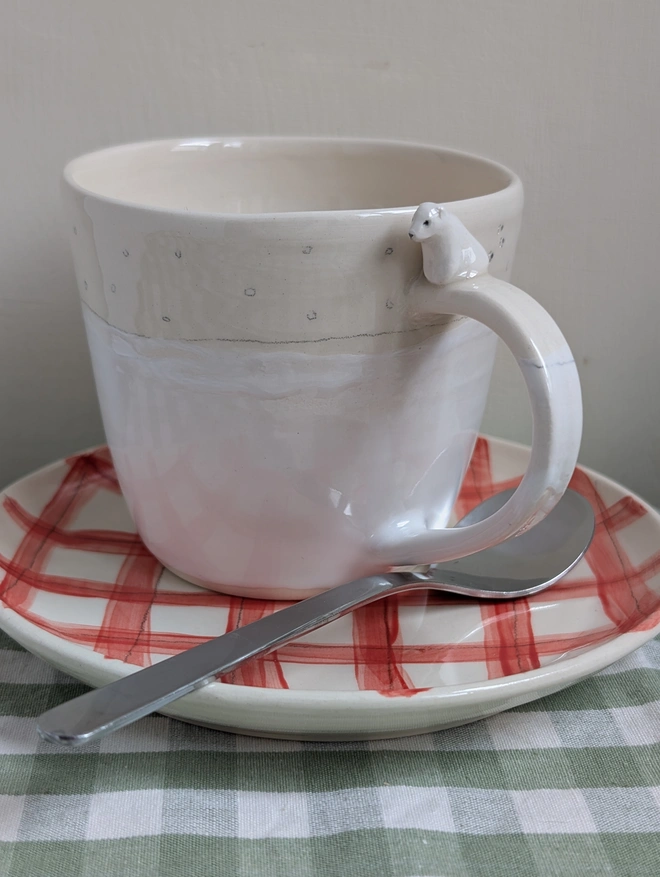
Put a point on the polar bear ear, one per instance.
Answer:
(434, 211)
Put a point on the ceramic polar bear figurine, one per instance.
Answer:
(449, 251)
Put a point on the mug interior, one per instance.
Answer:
(282, 175)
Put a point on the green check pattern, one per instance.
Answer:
(569, 785)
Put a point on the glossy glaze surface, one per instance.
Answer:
(180, 259)
(454, 280)
(294, 352)
(79, 589)
(268, 465)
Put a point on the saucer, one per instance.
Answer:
(79, 589)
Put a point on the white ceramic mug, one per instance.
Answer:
(291, 397)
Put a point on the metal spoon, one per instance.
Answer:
(522, 566)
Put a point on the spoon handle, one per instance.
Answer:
(103, 710)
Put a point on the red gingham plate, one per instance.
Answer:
(79, 589)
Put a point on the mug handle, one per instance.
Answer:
(454, 285)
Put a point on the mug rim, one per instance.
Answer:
(512, 187)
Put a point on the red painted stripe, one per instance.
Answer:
(623, 513)
(622, 588)
(377, 647)
(99, 541)
(130, 617)
(100, 470)
(35, 548)
(509, 645)
(261, 672)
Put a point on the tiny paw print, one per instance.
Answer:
(491, 256)
(500, 228)
(389, 251)
(311, 315)
(113, 287)
(166, 320)
(177, 253)
(125, 253)
(250, 291)
(389, 304)
(307, 250)
(502, 240)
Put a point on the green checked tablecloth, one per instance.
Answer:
(569, 785)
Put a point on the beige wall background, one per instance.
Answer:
(566, 92)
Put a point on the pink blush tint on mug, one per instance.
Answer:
(290, 396)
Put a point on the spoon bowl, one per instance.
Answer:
(522, 566)
(526, 564)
